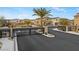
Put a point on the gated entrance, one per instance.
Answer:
(12, 32)
(26, 31)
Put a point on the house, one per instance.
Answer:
(55, 21)
(76, 22)
(47, 21)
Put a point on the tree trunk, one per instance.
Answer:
(41, 23)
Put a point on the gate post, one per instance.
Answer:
(66, 28)
(43, 30)
(29, 31)
(46, 30)
(11, 32)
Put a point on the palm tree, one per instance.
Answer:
(1, 24)
(1, 21)
(42, 13)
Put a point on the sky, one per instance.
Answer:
(27, 12)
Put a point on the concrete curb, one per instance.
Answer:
(15, 44)
(69, 32)
(73, 33)
(49, 35)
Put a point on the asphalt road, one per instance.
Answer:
(62, 42)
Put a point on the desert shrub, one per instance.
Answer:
(0, 44)
(63, 28)
(0, 34)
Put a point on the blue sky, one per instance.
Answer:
(26, 12)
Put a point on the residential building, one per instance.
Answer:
(47, 21)
(76, 22)
(55, 21)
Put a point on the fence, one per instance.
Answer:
(12, 32)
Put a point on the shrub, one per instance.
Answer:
(0, 44)
(0, 34)
(63, 28)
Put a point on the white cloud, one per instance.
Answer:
(59, 9)
(77, 10)
(25, 16)
(61, 12)
(22, 16)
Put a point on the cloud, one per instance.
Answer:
(77, 10)
(22, 16)
(59, 9)
(25, 16)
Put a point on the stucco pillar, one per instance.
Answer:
(46, 29)
(11, 32)
(66, 28)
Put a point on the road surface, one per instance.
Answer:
(62, 42)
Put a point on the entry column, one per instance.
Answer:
(29, 31)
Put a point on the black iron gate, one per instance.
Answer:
(6, 32)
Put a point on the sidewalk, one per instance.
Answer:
(70, 32)
(7, 44)
(73, 32)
